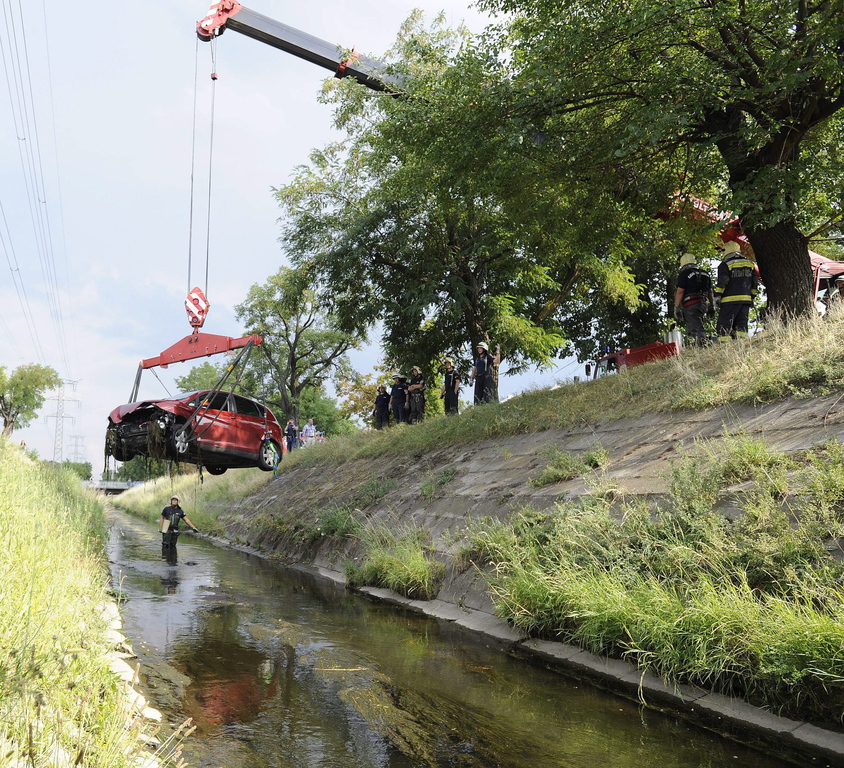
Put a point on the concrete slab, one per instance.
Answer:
(829, 743)
(548, 649)
(490, 625)
(728, 709)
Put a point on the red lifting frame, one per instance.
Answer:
(199, 345)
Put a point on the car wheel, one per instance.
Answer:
(267, 455)
(179, 438)
(215, 470)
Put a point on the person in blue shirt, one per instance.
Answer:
(291, 433)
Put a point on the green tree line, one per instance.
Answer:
(530, 185)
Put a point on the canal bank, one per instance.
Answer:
(443, 493)
(279, 667)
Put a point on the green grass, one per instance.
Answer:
(804, 358)
(202, 498)
(751, 606)
(399, 558)
(565, 465)
(57, 694)
(429, 487)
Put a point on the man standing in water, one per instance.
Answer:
(169, 521)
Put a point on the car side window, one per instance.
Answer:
(217, 403)
(247, 407)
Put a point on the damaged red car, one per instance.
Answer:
(219, 430)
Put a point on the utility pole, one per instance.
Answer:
(59, 416)
(77, 449)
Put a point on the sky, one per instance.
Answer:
(96, 147)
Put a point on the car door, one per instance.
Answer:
(215, 426)
(250, 424)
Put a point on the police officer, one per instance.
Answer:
(693, 298)
(737, 286)
(398, 398)
(173, 514)
(416, 395)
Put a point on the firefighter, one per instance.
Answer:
(693, 298)
(381, 409)
(416, 395)
(169, 521)
(483, 376)
(737, 285)
(398, 398)
(450, 392)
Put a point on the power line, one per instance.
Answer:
(20, 289)
(16, 64)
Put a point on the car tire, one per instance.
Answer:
(215, 470)
(178, 445)
(267, 455)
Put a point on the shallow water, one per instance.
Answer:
(279, 669)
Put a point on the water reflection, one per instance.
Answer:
(278, 669)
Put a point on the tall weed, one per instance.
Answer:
(752, 605)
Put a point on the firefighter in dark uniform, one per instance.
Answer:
(693, 298)
(416, 395)
(737, 286)
(451, 388)
(483, 375)
(398, 398)
(381, 409)
(173, 514)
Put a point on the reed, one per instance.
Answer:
(59, 702)
(751, 606)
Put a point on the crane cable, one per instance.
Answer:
(210, 162)
(192, 162)
(210, 155)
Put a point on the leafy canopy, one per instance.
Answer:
(303, 347)
(22, 394)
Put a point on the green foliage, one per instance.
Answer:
(328, 418)
(144, 468)
(683, 590)
(59, 698)
(399, 559)
(22, 394)
(82, 469)
(667, 97)
(396, 233)
(303, 346)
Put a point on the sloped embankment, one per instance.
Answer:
(450, 499)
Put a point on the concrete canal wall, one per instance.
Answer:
(446, 489)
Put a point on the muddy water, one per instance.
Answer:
(278, 669)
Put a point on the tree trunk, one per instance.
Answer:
(784, 265)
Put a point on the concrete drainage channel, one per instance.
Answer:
(792, 740)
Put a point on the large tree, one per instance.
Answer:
(445, 232)
(744, 91)
(22, 394)
(303, 346)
